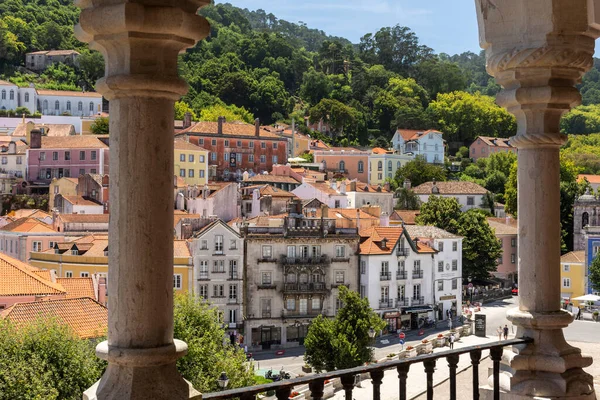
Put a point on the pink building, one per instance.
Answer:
(19, 238)
(69, 156)
(507, 233)
(483, 146)
(345, 161)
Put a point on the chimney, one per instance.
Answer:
(406, 184)
(257, 127)
(187, 119)
(384, 219)
(343, 187)
(332, 184)
(352, 186)
(220, 125)
(36, 139)
(324, 211)
(387, 186)
(357, 219)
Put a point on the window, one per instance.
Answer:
(4, 95)
(45, 107)
(417, 265)
(363, 267)
(290, 304)
(56, 105)
(251, 158)
(470, 200)
(454, 246)
(340, 251)
(201, 158)
(182, 157)
(263, 159)
(204, 244)
(203, 291)
(50, 245)
(19, 160)
(274, 159)
(84, 274)
(43, 156)
(232, 244)
(316, 303)
(201, 173)
(454, 284)
(513, 258)
(213, 156)
(68, 105)
(337, 204)
(274, 146)
(454, 265)
(303, 309)
(251, 145)
(441, 246)
(390, 166)
(226, 143)
(379, 165)
(82, 155)
(417, 291)
(440, 266)
(499, 260)
(339, 277)
(69, 274)
(37, 246)
(80, 106)
(380, 176)
(225, 156)
(4, 160)
(74, 252)
(266, 278)
(263, 145)
(213, 142)
(303, 251)
(218, 243)
(55, 155)
(362, 291)
(385, 293)
(566, 268)
(385, 267)
(513, 242)
(26, 97)
(203, 269)
(265, 308)
(232, 292)
(67, 155)
(238, 157)
(91, 106)
(361, 166)
(182, 172)
(342, 165)
(239, 143)
(218, 266)
(218, 291)
(176, 281)
(440, 286)
(566, 282)
(266, 252)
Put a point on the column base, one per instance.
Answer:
(487, 393)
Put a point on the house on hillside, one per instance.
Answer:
(485, 146)
(468, 194)
(427, 144)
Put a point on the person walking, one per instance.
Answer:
(451, 341)
(499, 332)
(578, 313)
(505, 332)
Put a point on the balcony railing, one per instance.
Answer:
(232, 300)
(417, 301)
(386, 303)
(402, 252)
(305, 287)
(402, 302)
(401, 275)
(203, 276)
(417, 274)
(233, 276)
(316, 383)
(304, 260)
(385, 276)
(266, 286)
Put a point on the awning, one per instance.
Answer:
(417, 309)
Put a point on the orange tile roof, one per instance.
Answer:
(272, 179)
(32, 213)
(363, 187)
(28, 225)
(44, 274)
(84, 218)
(179, 216)
(6, 83)
(590, 178)
(348, 213)
(504, 226)
(325, 188)
(379, 150)
(19, 279)
(373, 244)
(412, 134)
(181, 144)
(68, 93)
(406, 216)
(78, 287)
(72, 142)
(268, 190)
(80, 201)
(51, 130)
(229, 128)
(450, 188)
(87, 318)
(496, 142)
(574, 257)
(180, 249)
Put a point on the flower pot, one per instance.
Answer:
(306, 369)
(441, 342)
(411, 353)
(328, 390)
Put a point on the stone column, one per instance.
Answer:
(140, 42)
(538, 50)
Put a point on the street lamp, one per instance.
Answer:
(470, 289)
(223, 380)
(372, 333)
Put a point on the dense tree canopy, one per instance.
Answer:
(419, 171)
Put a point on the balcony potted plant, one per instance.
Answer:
(441, 340)
(427, 346)
(328, 389)
(307, 369)
(411, 351)
(296, 395)
(596, 315)
(391, 356)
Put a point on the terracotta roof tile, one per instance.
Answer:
(450, 188)
(406, 216)
(496, 142)
(268, 190)
(504, 226)
(6, 83)
(375, 235)
(180, 249)
(325, 188)
(80, 201)
(181, 144)
(267, 178)
(179, 216)
(72, 142)
(32, 213)
(573, 257)
(69, 93)
(20, 279)
(78, 287)
(85, 218)
(51, 130)
(229, 128)
(28, 225)
(411, 134)
(590, 178)
(87, 318)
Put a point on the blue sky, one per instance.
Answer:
(447, 26)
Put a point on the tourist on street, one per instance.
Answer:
(451, 340)
(505, 332)
(499, 332)
(578, 315)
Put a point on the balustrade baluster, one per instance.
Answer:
(283, 393)
(377, 377)
(429, 369)
(496, 354)
(402, 375)
(316, 389)
(475, 358)
(348, 384)
(248, 397)
(452, 364)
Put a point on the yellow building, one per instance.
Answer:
(64, 187)
(191, 162)
(572, 275)
(89, 255)
(384, 164)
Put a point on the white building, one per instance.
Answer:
(49, 102)
(468, 194)
(325, 192)
(215, 199)
(447, 267)
(360, 195)
(218, 257)
(428, 144)
(383, 166)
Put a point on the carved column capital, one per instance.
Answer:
(140, 42)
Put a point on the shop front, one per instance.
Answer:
(417, 316)
(392, 319)
(266, 336)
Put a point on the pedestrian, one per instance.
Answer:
(505, 332)
(449, 324)
(499, 332)
(451, 341)
(578, 316)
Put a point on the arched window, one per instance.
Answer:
(389, 165)
(80, 106)
(398, 165)
(361, 166)
(585, 219)
(69, 105)
(45, 105)
(57, 105)
(3, 94)
(12, 95)
(342, 165)
(26, 97)
(379, 165)
(91, 106)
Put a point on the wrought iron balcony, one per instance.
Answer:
(401, 275)
(283, 389)
(203, 276)
(323, 259)
(402, 302)
(232, 300)
(417, 274)
(305, 287)
(402, 252)
(417, 301)
(386, 303)
(385, 276)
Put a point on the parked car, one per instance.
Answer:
(515, 291)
